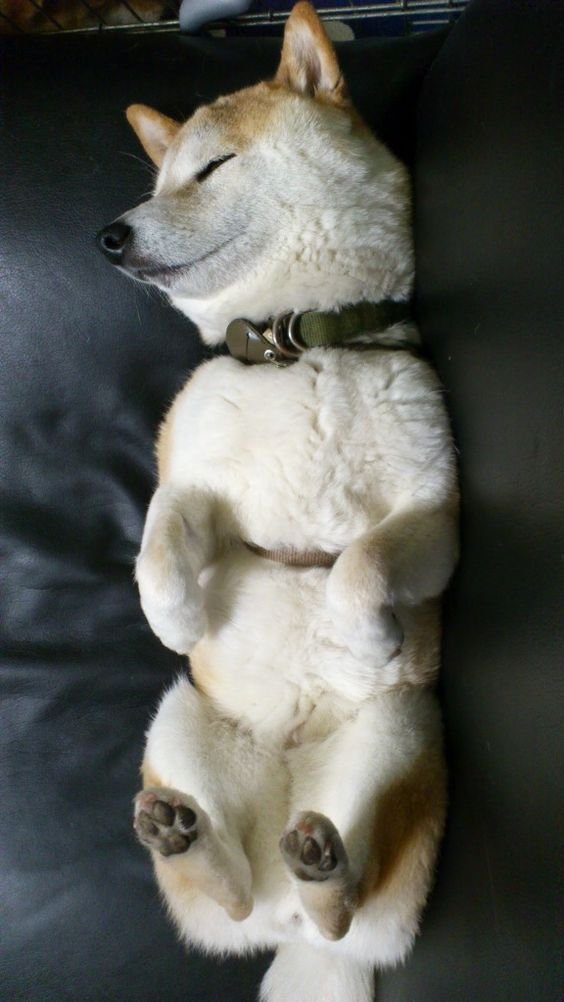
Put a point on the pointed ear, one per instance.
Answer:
(154, 131)
(309, 62)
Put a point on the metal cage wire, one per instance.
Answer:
(400, 16)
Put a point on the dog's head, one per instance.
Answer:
(273, 198)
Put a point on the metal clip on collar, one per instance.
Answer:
(279, 344)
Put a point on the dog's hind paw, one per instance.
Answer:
(313, 849)
(165, 820)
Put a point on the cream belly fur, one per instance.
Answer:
(294, 795)
(348, 446)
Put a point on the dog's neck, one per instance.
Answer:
(213, 316)
(357, 260)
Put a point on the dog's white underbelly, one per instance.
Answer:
(267, 657)
(273, 659)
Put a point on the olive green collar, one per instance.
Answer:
(288, 335)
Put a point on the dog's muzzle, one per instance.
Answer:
(113, 240)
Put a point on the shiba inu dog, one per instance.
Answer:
(300, 537)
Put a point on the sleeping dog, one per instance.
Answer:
(303, 530)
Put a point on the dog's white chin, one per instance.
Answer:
(165, 279)
(211, 323)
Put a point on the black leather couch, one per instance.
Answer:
(88, 364)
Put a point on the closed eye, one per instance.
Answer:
(213, 165)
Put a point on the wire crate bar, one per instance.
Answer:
(91, 16)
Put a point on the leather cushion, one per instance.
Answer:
(489, 239)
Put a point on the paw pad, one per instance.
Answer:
(164, 822)
(312, 848)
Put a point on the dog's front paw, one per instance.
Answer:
(375, 638)
(178, 627)
(173, 604)
(362, 615)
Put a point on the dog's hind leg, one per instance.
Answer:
(362, 801)
(179, 830)
(193, 811)
(313, 850)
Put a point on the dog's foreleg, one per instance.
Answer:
(407, 559)
(177, 544)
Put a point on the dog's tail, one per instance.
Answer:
(301, 973)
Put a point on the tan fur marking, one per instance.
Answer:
(205, 679)
(154, 131)
(409, 814)
(150, 777)
(241, 116)
(172, 879)
(234, 121)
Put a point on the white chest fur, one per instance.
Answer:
(316, 454)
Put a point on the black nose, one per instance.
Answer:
(112, 240)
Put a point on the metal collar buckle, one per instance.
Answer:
(285, 336)
(279, 344)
